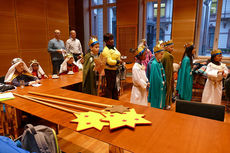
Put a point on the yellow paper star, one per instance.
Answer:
(129, 119)
(100, 63)
(88, 120)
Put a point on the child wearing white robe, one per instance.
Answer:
(216, 71)
(36, 69)
(140, 81)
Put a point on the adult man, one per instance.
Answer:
(56, 48)
(73, 46)
(167, 62)
(113, 60)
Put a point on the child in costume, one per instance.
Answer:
(19, 73)
(148, 53)
(89, 73)
(68, 66)
(140, 81)
(216, 71)
(37, 70)
(157, 90)
(167, 62)
(185, 78)
(148, 70)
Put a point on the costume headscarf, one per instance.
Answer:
(63, 67)
(10, 75)
(40, 70)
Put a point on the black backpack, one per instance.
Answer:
(40, 139)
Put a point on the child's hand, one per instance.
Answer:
(82, 60)
(221, 71)
(32, 82)
(224, 74)
(37, 81)
(45, 76)
(148, 84)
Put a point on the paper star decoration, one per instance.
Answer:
(88, 120)
(130, 119)
(117, 109)
(100, 63)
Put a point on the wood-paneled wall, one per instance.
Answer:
(76, 19)
(183, 25)
(27, 26)
(127, 17)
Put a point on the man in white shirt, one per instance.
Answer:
(73, 45)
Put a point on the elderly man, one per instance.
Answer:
(73, 46)
(56, 48)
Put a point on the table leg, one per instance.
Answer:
(115, 149)
(15, 121)
(1, 119)
(7, 120)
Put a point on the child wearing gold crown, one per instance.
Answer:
(216, 71)
(37, 70)
(148, 54)
(140, 81)
(89, 73)
(167, 61)
(19, 74)
(185, 78)
(157, 89)
(69, 66)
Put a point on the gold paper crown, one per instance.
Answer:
(143, 40)
(160, 43)
(158, 49)
(68, 55)
(216, 52)
(16, 60)
(93, 41)
(140, 50)
(34, 61)
(167, 43)
(188, 44)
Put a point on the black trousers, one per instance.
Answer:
(111, 87)
(56, 66)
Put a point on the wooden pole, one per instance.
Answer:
(66, 104)
(70, 99)
(47, 104)
(99, 85)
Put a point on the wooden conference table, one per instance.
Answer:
(170, 132)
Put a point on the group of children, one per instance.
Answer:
(20, 75)
(152, 76)
(93, 68)
(157, 80)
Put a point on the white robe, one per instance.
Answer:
(139, 91)
(212, 93)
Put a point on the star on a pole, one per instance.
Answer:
(117, 109)
(100, 64)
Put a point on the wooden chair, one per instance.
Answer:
(210, 111)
